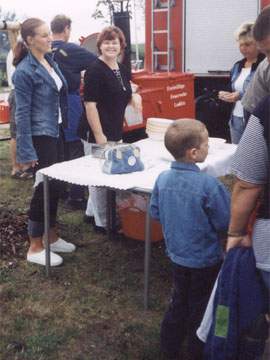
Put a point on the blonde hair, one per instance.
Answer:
(244, 30)
(183, 135)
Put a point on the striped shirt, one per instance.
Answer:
(251, 164)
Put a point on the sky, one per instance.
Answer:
(79, 11)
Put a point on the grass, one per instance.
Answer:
(91, 308)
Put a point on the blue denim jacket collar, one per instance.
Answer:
(43, 73)
(184, 166)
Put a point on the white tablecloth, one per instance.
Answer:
(87, 170)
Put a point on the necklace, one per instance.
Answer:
(118, 75)
(47, 66)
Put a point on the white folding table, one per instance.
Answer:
(86, 171)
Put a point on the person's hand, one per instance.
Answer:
(101, 139)
(27, 165)
(230, 97)
(233, 241)
(134, 87)
(136, 102)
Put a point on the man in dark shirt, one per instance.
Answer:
(72, 59)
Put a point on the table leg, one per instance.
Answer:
(111, 213)
(147, 253)
(46, 222)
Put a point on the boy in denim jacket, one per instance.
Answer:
(193, 207)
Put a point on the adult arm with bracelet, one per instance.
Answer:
(244, 200)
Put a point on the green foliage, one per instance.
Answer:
(106, 8)
(4, 43)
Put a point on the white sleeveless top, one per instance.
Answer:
(10, 68)
(59, 85)
(239, 83)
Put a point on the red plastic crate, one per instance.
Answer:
(4, 112)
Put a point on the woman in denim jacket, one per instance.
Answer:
(241, 74)
(40, 92)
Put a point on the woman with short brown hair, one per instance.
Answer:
(107, 91)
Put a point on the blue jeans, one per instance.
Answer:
(266, 279)
(237, 127)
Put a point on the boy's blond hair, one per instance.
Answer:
(182, 135)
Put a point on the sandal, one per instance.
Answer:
(16, 175)
(27, 174)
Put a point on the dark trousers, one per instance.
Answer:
(74, 150)
(190, 295)
(49, 151)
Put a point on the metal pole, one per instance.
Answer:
(169, 36)
(152, 36)
(111, 213)
(135, 32)
(147, 253)
(46, 223)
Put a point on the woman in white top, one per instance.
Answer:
(241, 74)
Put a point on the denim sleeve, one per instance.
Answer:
(241, 94)
(218, 207)
(154, 203)
(23, 97)
(233, 75)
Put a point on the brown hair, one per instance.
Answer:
(183, 135)
(28, 28)
(59, 23)
(261, 29)
(111, 33)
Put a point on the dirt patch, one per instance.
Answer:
(13, 235)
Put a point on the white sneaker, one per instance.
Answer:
(40, 258)
(62, 246)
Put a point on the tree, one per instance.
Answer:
(106, 8)
(4, 42)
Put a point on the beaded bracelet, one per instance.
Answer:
(236, 234)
